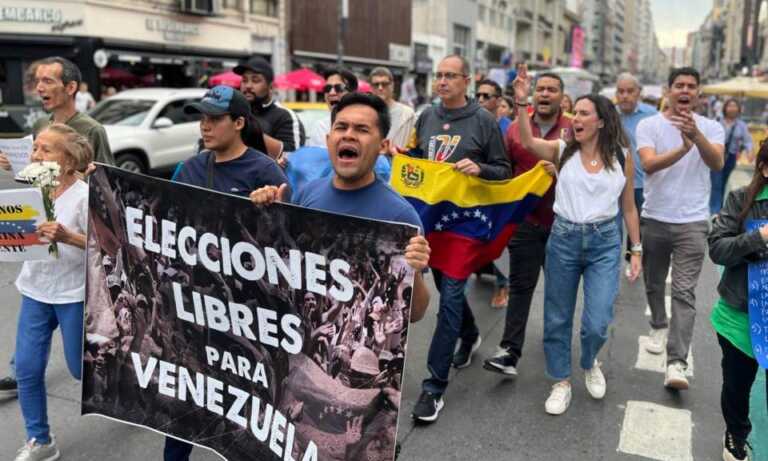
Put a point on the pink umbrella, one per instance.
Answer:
(228, 78)
(301, 79)
(363, 86)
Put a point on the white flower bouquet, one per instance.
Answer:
(45, 176)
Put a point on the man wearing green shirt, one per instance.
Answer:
(56, 81)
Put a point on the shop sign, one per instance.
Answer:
(399, 53)
(173, 31)
(30, 14)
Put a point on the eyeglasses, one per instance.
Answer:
(486, 96)
(380, 85)
(448, 75)
(338, 87)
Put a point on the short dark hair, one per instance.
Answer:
(365, 99)
(550, 75)
(678, 71)
(350, 80)
(494, 84)
(464, 63)
(69, 70)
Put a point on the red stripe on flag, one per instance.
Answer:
(27, 240)
(458, 256)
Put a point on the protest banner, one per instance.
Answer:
(18, 151)
(269, 333)
(21, 211)
(757, 279)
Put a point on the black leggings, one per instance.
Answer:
(739, 371)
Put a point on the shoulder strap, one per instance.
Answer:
(621, 158)
(209, 171)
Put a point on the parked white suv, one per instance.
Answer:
(147, 128)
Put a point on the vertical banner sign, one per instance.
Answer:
(269, 333)
(21, 211)
(758, 301)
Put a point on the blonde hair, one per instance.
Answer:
(73, 144)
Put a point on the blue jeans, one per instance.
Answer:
(719, 180)
(37, 322)
(454, 320)
(576, 251)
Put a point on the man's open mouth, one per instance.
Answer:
(348, 152)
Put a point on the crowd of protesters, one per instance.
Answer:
(616, 165)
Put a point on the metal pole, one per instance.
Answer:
(343, 14)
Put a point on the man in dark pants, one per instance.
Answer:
(526, 248)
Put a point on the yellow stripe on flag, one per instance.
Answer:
(435, 182)
(27, 212)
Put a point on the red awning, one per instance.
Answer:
(228, 78)
(302, 80)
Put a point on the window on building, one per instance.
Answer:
(493, 17)
(264, 7)
(461, 37)
(481, 12)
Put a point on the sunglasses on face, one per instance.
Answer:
(338, 87)
(485, 95)
(380, 85)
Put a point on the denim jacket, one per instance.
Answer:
(733, 247)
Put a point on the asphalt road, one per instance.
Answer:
(486, 417)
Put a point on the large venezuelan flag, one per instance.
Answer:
(467, 220)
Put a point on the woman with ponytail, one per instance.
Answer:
(734, 247)
(594, 176)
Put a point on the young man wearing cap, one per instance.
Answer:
(226, 165)
(338, 83)
(283, 131)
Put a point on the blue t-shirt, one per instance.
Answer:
(374, 201)
(630, 122)
(504, 123)
(240, 176)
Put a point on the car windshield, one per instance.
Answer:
(125, 112)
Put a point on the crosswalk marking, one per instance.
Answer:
(656, 362)
(656, 432)
(667, 307)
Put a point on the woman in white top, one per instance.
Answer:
(53, 291)
(585, 241)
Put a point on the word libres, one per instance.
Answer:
(303, 270)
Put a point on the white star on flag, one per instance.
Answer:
(467, 214)
(483, 218)
(445, 218)
(438, 226)
(455, 215)
(478, 213)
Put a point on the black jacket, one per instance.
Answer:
(731, 246)
(282, 124)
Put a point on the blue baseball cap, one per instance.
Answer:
(221, 100)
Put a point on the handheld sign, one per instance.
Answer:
(18, 151)
(21, 211)
(758, 302)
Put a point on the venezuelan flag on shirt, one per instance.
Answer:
(467, 220)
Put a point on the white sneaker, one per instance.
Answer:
(33, 451)
(559, 399)
(595, 381)
(657, 340)
(675, 377)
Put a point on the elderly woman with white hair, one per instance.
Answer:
(53, 291)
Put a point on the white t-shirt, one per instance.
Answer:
(317, 138)
(583, 197)
(84, 101)
(680, 193)
(62, 280)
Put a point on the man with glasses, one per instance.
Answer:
(338, 82)
(489, 96)
(458, 131)
(403, 118)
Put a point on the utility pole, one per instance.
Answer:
(343, 15)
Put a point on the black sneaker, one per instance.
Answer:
(8, 387)
(504, 363)
(428, 407)
(735, 450)
(463, 357)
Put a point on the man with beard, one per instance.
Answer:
(677, 149)
(338, 83)
(527, 246)
(283, 131)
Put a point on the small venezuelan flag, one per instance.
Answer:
(467, 220)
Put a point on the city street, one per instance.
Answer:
(485, 417)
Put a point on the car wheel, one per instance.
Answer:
(131, 162)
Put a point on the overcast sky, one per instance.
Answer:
(674, 19)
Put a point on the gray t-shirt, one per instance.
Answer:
(88, 127)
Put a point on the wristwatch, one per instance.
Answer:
(636, 249)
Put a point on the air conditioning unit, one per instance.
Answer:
(199, 7)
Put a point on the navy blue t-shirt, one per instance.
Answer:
(374, 201)
(240, 176)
